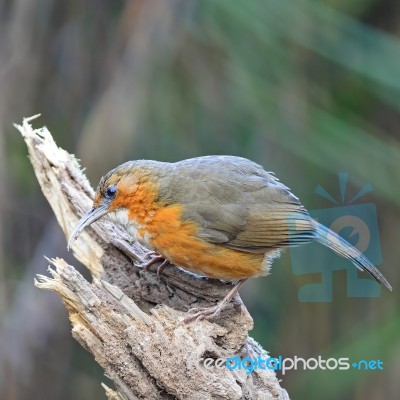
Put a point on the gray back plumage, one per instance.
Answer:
(235, 202)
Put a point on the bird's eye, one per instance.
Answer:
(111, 191)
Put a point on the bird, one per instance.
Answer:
(222, 217)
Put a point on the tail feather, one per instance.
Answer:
(340, 246)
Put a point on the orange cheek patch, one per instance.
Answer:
(126, 195)
(141, 202)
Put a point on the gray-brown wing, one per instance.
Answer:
(243, 208)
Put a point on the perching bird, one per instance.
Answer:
(220, 216)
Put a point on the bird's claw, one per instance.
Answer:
(151, 254)
(146, 265)
(212, 312)
(162, 266)
(200, 313)
(155, 257)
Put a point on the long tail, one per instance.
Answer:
(340, 246)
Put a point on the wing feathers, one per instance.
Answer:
(236, 203)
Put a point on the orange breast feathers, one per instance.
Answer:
(162, 228)
(178, 241)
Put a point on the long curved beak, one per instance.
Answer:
(87, 219)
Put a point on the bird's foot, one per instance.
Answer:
(200, 313)
(155, 257)
(151, 254)
(212, 312)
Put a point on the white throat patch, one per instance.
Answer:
(131, 225)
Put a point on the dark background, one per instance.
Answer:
(308, 89)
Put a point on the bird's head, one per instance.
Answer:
(117, 190)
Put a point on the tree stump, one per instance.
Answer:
(130, 319)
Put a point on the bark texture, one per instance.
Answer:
(129, 319)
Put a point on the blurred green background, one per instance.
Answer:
(308, 89)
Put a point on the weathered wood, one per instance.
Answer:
(131, 319)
